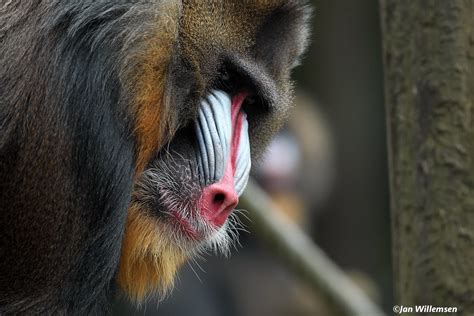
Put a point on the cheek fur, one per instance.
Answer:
(147, 69)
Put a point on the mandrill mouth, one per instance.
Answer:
(195, 184)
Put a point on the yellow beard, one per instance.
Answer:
(149, 258)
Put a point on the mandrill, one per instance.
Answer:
(127, 129)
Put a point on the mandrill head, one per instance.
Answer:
(213, 90)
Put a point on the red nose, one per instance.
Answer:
(217, 202)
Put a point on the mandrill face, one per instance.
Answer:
(228, 83)
(193, 185)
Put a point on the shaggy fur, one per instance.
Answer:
(93, 94)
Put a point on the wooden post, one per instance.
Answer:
(429, 94)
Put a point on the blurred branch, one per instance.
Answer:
(304, 256)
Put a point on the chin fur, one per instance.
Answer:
(154, 247)
(149, 259)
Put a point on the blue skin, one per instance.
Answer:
(214, 135)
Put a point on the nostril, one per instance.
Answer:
(217, 202)
(219, 198)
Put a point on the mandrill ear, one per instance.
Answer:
(283, 37)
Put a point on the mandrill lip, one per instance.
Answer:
(185, 226)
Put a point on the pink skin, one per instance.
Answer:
(219, 199)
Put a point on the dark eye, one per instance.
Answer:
(224, 75)
(250, 99)
(229, 80)
(234, 80)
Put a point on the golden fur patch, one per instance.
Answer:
(149, 84)
(149, 258)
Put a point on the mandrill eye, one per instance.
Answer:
(250, 100)
(228, 80)
(224, 75)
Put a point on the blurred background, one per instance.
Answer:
(326, 170)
